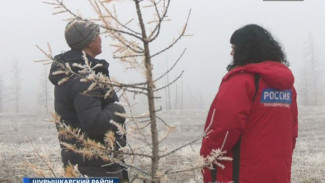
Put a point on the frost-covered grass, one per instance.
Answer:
(18, 133)
(308, 167)
(309, 155)
(15, 157)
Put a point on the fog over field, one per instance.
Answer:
(298, 25)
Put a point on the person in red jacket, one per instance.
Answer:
(256, 107)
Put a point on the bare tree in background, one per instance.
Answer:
(45, 94)
(132, 40)
(1, 94)
(167, 89)
(15, 88)
(311, 87)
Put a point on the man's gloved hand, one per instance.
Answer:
(111, 109)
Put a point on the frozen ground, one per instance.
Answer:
(23, 135)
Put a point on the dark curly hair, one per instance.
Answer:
(254, 44)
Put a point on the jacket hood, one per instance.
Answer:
(275, 74)
(70, 57)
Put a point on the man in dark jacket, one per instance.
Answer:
(91, 112)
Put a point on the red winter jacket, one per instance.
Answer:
(266, 126)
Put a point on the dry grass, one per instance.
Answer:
(15, 158)
(18, 133)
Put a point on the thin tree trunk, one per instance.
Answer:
(176, 96)
(0, 95)
(17, 87)
(168, 88)
(182, 94)
(151, 102)
(313, 73)
(46, 92)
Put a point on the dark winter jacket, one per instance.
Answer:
(261, 132)
(88, 112)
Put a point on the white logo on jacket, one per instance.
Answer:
(276, 98)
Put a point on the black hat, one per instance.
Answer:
(80, 33)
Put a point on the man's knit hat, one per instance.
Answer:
(80, 33)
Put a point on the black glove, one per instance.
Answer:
(111, 109)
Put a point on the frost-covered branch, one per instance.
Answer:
(154, 34)
(172, 67)
(177, 78)
(175, 40)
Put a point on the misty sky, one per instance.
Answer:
(23, 24)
